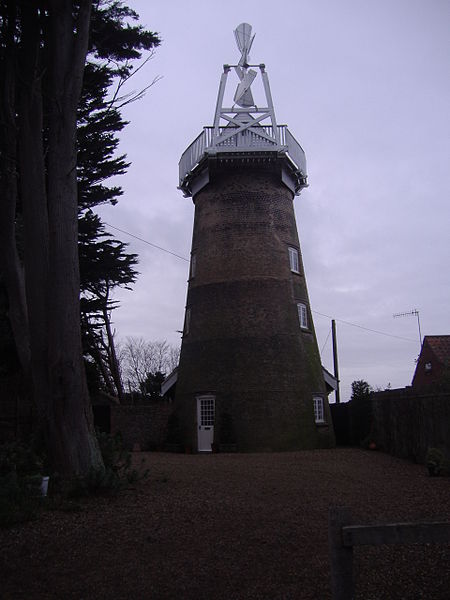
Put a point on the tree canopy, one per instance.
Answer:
(361, 390)
(58, 126)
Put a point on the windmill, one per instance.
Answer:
(249, 353)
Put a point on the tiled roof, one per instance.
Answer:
(440, 345)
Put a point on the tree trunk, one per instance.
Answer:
(10, 267)
(70, 429)
(34, 202)
(112, 355)
(102, 363)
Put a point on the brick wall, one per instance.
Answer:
(143, 425)
(244, 343)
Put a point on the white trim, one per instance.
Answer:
(193, 265)
(319, 414)
(169, 381)
(302, 315)
(187, 321)
(206, 408)
(294, 259)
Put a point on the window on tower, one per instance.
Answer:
(187, 321)
(302, 315)
(193, 264)
(293, 260)
(319, 415)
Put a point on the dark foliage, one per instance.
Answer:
(151, 388)
(20, 484)
(361, 390)
(116, 42)
(117, 472)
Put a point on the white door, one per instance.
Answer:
(205, 420)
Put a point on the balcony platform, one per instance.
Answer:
(262, 142)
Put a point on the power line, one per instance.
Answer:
(149, 243)
(325, 343)
(366, 328)
(314, 311)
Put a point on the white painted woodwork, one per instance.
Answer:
(246, 127)
(205, 422)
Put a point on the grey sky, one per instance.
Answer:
(364, 87)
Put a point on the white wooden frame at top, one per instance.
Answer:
(230, 114)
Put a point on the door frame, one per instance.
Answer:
(205, 441)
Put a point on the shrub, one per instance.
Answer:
(116, 472)
(20, 459)
(20, 484)
(436, 462)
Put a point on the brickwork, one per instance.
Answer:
(433, 367)
(244, 342)
(142, 425)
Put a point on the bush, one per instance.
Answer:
(116, 473)
(20, 484)
(436, 462)
(19, 459)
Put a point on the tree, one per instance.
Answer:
(361, 390)
(42, 61)
(151, 387)
(104, 265)
(145, 363)
(104, 262)
(54, 43)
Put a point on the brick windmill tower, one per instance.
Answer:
(250, 370)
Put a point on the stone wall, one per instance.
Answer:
(142, 425)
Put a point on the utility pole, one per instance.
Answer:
(335, 360)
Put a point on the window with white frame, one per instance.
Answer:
(187, 321)
(206, 411)
(319, 416)
(302, 315)
(193, 265)
(293, 260)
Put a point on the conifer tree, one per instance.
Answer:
(43, 50)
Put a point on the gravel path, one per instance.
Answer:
(232, 527)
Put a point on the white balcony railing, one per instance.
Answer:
(254, 139)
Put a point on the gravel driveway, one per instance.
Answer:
(232, 527)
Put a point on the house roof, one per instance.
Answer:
(440, 345)
(433, 361)
(171, 379)
(330, 380)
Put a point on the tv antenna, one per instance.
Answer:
(411, 313)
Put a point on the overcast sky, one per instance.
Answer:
(364, 87)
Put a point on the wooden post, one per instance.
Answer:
(341, 557)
